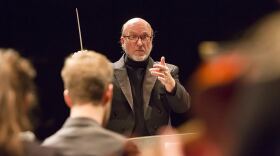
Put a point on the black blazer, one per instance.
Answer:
(157, 102)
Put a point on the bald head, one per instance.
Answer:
(136, 21)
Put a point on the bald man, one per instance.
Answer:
(145, 92)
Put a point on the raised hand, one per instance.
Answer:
(163, 74)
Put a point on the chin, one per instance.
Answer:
(140, 58)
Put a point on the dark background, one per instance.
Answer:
(46, 32)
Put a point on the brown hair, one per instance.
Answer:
(86, 74)
(17, 93)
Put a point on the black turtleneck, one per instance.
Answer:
(136, 72)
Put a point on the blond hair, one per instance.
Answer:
(86, 74)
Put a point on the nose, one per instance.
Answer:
(139, 42)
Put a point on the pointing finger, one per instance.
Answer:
(162, 60)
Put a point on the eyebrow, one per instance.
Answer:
(134, 33)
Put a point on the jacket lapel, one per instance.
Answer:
(122, 78)
(148, 84)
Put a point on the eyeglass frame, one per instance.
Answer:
(146, 39)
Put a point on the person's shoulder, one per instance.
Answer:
(117, 143)
(49, 140)
(119, 63)
(113, 135)
(54, 139)
(34, 149)
(172, 66)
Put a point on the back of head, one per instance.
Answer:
(17, 93)
(86, 74)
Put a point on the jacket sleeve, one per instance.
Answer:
(179, 101)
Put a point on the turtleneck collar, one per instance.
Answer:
(135, 64)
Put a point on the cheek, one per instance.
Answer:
(124, 46)
(129, 46)
(149, 45)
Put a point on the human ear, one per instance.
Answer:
(122, 40)
(108, 94)
(67, 98)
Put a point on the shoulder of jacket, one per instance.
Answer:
(171, 66)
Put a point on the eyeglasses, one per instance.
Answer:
(135, 38)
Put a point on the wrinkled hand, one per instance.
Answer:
(163, 74)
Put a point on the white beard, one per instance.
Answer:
(139, 58)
